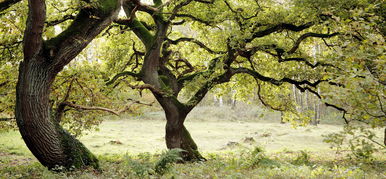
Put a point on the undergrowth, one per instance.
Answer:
(254, 163)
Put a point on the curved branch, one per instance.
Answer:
(123, 74)
(5, 4)
(177, 8)
(193, 18)
(272, 80)
(81, 107)
(90, 21)
(58, 21)
(277, 28)
(195, 41)
(307, 35)
(262, 100)
(138, 28)
(212, 65)
(238, 13)
(183, 4)
(145, 86)
(112, 111)
(306, 62)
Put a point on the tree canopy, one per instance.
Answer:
(180, 50)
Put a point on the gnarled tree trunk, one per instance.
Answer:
(46, 139)
(177, 136)
(54, 147)
(166, 89)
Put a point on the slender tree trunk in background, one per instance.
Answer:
(220, 102)
(301, 100)
(281, 117)
(296, 98)
(234, 102)
(306, 101)
(316, 104)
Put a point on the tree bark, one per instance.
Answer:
(177, 136)
(46, 139)
(53, 146)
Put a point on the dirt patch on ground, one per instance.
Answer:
(9, 159)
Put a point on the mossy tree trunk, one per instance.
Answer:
(54, 147)
(177, 136)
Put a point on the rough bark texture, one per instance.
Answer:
(46, 139)
(177, 136)
(54, 147)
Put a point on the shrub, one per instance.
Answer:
(302, 159)
(166, 159)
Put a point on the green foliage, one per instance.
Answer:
(166, 160)
(257, 158)
(140, 168)
(361, 141)
(303, 158)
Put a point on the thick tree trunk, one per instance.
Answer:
(47, 140)
(54, 147)
(177, 136)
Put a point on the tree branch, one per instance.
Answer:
(263, 101)
(7, 118)
(195, 41)
(80, 107)
(183, 4)
(34, 29)
(277, 28)
(145, 86)
(58, 21)
(307, 35)
(123, 74)
(5, 4)
(272, 80)
(138, 28)
(4, 83)
(193, 18)
(90, 21)
(190, 77)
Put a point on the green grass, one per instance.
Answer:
(131, 148)
(136, 136)
(240, 164)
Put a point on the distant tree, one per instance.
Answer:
(188, 47)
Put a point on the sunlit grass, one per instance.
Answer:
(131, 147)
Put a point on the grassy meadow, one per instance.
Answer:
(238, 143)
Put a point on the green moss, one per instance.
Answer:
(78, 155)
(75, 28)
(142, 32)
